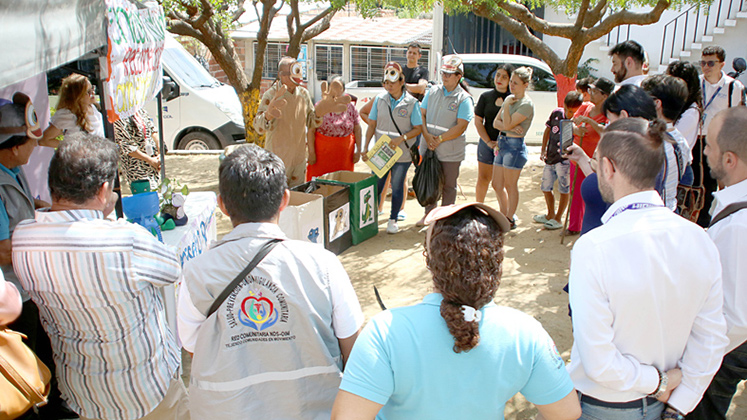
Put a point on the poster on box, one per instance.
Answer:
(133, 59)
(339, 221)
(367, 206)
(303, 219)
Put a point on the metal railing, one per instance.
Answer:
(690, 26)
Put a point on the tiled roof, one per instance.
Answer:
(382, 30)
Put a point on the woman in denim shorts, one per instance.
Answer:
(513, 122)
(488, 106)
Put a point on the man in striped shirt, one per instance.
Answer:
(96, 284)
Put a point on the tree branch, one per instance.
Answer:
(179, 27)
(593, 17)
(525, 16)
(321, 27)
(318, 17)
(582, 11)
(626, 17)
(522, 33)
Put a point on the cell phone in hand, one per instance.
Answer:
(566, 134)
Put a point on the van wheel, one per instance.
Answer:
(197, 140)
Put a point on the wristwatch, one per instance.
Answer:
(662, 388)
(440, 138)
(404, 137)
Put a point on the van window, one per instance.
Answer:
(480, 75)
(187, 69)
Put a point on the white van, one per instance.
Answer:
(201, 113)
(479, 70)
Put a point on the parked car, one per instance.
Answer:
(479, 70)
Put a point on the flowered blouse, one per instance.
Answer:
(340, 124)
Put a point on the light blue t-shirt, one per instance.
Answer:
(466, 109)
(4, 220)
(404, 359)
(416, 118)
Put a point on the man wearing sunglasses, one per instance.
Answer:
(719, 92)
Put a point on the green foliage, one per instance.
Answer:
(586, 68)
(224, 10)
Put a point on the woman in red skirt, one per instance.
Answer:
(335, 145)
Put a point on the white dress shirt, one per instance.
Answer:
(633, 80)
(720, 94)
(689, 125)
(730, 237)
(645, 290)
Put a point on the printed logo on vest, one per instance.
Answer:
(256, 306)
(452, 106)
(402, 112)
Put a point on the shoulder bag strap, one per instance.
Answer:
(392, 117)
(266, 248)
(728, 211)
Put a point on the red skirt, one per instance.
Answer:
(332, 154)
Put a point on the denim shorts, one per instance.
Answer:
(512, 152)
(485, 154)
(561, 172)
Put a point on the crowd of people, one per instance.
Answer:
(273, 326)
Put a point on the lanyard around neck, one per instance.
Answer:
(633, 206)
(712, 96)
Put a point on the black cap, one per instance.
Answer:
(605, 85)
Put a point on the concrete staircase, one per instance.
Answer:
(687, 34)
(699, 26)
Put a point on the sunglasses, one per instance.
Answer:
(709, 63)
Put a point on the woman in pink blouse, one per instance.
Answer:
(335, 145)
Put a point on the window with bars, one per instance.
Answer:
(367, 63)
(328, 61)
(273, 53)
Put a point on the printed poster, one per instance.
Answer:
(382, 157)
(133, 60)
(339, 221)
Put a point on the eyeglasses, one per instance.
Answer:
(709, 63)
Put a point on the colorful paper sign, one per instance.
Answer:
(133, 59)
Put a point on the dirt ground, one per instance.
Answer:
(535, 268)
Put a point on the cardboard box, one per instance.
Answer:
(303, 219)
(363, 209)
(337, 235)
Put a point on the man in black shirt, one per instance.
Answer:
(416, 77)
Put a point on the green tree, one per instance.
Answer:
(210, 22)
(593, 19)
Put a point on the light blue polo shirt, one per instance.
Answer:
(466, 110)
(416, 118)
(404, 359)
(4, 220)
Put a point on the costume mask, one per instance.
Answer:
(296, 73)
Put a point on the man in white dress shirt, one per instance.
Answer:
(719, 92)
(726, 151)
(648, 326)
(627, 63)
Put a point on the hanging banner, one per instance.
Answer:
(133, 60)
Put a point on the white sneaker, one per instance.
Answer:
(391, 227)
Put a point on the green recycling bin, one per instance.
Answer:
(363, 211)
